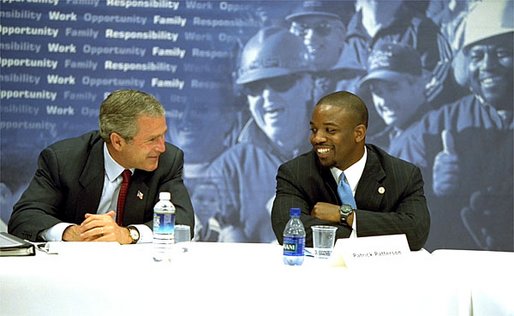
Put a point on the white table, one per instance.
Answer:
(487, 276)
(225, 279)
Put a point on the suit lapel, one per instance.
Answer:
(370, 191)
(329, 182)
(91, 181)
(331, 185)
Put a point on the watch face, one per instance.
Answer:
(134, 234)
(346, 209)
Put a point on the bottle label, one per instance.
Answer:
(164, 223)
(294, 246)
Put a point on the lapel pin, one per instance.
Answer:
(140, 195)
(381, 190)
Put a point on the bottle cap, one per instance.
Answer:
(164, 196)
(294, 211)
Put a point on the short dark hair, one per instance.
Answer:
(350, 102)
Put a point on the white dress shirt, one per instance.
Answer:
(353, 175)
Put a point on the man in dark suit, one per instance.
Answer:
(73, 195)
(388, 192)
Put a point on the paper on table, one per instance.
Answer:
(351, 252)
(59, 247)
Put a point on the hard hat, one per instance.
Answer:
(335, 9)
(319, 8)
(272, 52)
(487, 19)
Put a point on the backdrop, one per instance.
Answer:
(60, 59)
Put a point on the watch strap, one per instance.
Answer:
(345, 211)
(134, 234)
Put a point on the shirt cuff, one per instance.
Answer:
(55, 232)
(145, 233)
(353, 234)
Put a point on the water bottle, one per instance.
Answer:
(163, 227)
(294, 239)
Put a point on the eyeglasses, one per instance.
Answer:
(322, 29)
(279, 84)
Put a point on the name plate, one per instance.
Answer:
(350, 252)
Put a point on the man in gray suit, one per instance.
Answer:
(73, 195)
(388, 192)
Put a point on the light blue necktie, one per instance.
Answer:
(345, 192)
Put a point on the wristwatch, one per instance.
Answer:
(344, 211)
(134, 234)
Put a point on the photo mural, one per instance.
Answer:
(239, 80)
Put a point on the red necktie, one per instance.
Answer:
(126, 174)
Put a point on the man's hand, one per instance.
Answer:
(98, 227)
(72, 233)
(326, 211)
(446, 171)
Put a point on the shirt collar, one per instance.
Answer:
(112, 168)
(352, 173)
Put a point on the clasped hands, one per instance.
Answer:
(98, 227)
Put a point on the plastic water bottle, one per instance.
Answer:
(294, 239)
(163, 227)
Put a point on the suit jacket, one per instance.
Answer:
(69, 180)
(389, 197)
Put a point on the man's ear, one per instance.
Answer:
(116, 141)
(360, 133)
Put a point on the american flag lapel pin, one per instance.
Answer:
(140, 195)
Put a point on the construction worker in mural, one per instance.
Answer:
(396, 84)
(377, 21)
(264, 117)
(194, 126)
(273, 73)
(321, 26)
(466, 147)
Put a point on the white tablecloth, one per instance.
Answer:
(487, 276)
(235, 279)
